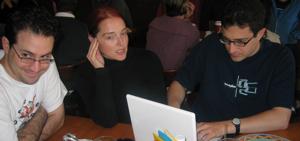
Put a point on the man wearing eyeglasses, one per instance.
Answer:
(244, 83)
(31, 92)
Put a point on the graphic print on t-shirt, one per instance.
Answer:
(243, 87)
(26, 112)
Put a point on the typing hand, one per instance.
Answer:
(209, 130)
(94, 55)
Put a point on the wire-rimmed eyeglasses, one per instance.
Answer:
(27, 59)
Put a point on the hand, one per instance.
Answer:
(209, 130)
(256, 40)
(253, 42)
(94, 56)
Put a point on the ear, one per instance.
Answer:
(5, 44)
(261, 33)
(91, 38)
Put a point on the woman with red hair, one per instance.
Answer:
(114, 70)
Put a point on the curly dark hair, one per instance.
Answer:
(35, 19)
(244, 13)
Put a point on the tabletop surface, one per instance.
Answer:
(86, 128)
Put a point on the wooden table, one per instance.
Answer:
(86, 128)
(292, 133)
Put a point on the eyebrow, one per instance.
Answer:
(108, 33)
(239, 39)
(26, 51)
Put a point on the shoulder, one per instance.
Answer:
(85, 67)
(275, 48)
(142, 55)
(2, 92)
(210, 43)
(277, 53)
(158, 20)
(50, 76)
(4, 99)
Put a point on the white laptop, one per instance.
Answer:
(149, 116)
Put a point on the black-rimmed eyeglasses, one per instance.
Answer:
(238, 42)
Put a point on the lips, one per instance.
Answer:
(31, 74)
(121, 51)
(234, 55)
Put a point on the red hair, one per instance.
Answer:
(100, 14)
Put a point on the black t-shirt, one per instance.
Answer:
(228, 89)
(104, 90)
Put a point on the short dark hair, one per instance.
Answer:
(244, 13)
(34, 19)
(175, 7)
(66, 5)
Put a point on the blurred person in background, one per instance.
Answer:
(284, 20)
(172, 35)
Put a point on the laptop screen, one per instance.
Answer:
(147, 117)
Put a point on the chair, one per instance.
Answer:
(72, 102)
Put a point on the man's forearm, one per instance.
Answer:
(54, 122)
(274, 119)
(176, 94)
(33, 129)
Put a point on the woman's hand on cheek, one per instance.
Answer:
(94, 56)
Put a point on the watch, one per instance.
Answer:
(236, 122)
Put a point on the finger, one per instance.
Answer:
(201, 126)
(252, 42)
(95, 56)
(93, 49)
(209, 136)
(201, 135)
(90, 48)
(99, 57)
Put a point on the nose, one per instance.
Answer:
(121, 40)
(231, 48)
(35, 67)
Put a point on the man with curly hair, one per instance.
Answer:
(31, 92)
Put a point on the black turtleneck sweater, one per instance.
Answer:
(104, 90)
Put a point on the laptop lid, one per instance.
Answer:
(149, 116)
